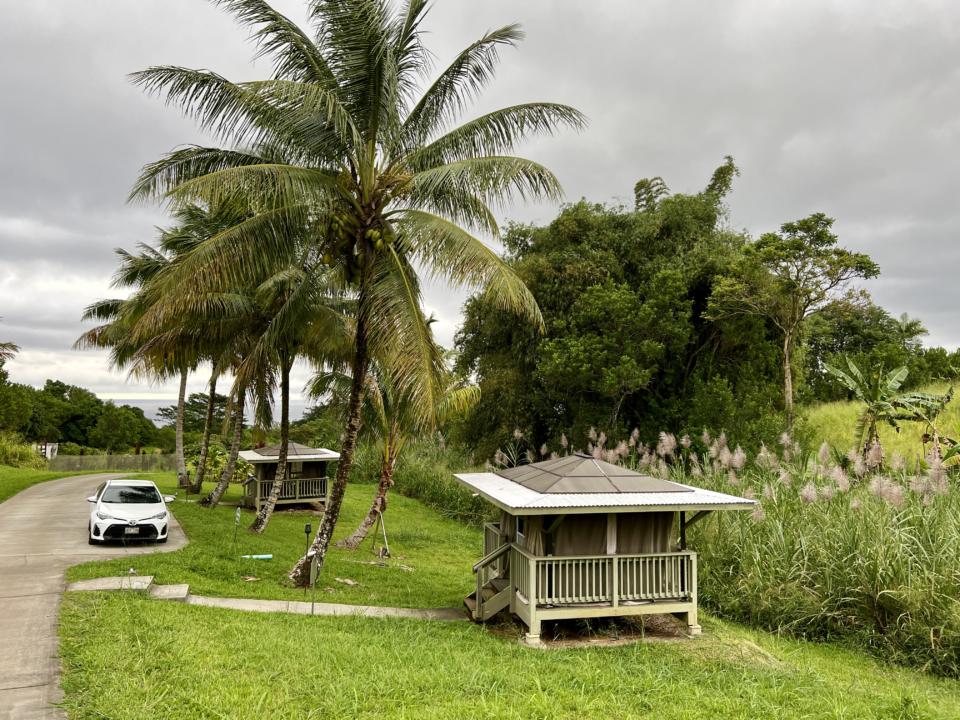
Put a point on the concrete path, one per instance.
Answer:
(321, 608)
(181, 593)
(43, 530)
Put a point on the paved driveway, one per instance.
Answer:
(43, 530)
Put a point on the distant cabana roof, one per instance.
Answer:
(295, 453)
(582, 484)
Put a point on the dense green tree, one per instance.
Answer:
(121, 427)
(195, 412)
(78, 410)
(786, 277)
(858, 329)
(623, 293)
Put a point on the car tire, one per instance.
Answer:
(90, 540)
(161, 541)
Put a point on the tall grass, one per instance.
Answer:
(16, 453)
(834, 423)
(865, 554)
(425, 472)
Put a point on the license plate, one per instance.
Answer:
(131, 531)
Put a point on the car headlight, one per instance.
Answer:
(104, 515)
(159, 516)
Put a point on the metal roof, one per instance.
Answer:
(295, 453)
(579, 473)
(520, 500)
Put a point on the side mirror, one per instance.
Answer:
(169, 498)
(92, 499)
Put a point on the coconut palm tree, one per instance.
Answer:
(883, 401)
(117, 317)
(166, 351)
(344, 137)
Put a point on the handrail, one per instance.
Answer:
(491, 556)
(601, 556)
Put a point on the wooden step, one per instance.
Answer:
(471, 603)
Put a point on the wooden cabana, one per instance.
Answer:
(582, 538)
(306, 478)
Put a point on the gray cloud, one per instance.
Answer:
(850, 108)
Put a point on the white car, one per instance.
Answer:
(128, 510)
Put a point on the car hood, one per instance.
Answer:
(132, 511)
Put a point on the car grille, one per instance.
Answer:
(117, 532)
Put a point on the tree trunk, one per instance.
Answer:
(300, 573)
(205, 442)
(226, 476)
(266, 510)
(182, 479)
(379, 505)
(788, 379)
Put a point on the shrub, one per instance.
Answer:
(217, 456)
(15, 452)
(70, 448)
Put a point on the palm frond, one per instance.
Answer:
(294, 55)
(446, 250)
(272, 184)
(494, 179)
(176, 167)
(457, 85)
(399, 330)
(496, 133)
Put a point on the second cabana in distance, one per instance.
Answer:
(306, 479)
(579, 537)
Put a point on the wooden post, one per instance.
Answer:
(533, 629)
(693, 624)
(683, 530)
(614, 563)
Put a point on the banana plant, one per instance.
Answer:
(883, 401)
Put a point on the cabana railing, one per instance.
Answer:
(604, 579)
(292, 490)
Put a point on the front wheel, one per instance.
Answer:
(90, 540)
(161, 541)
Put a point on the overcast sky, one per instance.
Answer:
(849, 107)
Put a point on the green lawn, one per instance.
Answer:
(13, 480)
(126, 656)
(430, 566)
(835, 422)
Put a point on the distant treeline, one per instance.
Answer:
(82, 423)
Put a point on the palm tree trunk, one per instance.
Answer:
(205, 442)
(226, 476)
(788, 379)
(182, 479)
(379, 505)
(300, 573)
(266, 510)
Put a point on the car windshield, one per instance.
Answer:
(140, 494)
